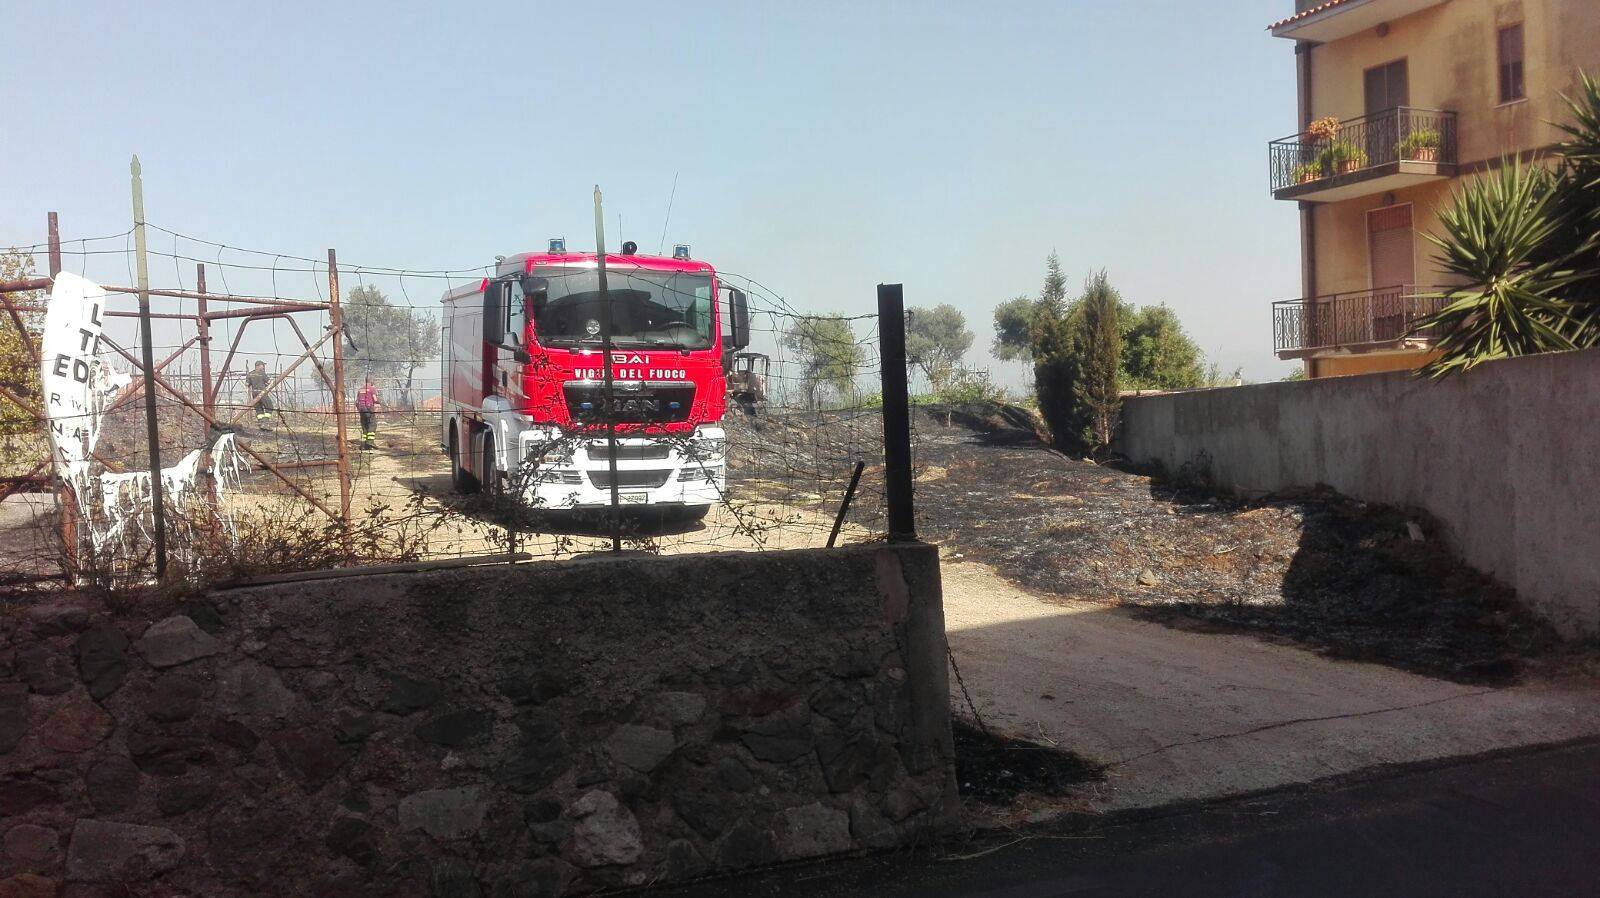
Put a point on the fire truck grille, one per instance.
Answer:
(630, 480)
(649, 405)
(646, 452)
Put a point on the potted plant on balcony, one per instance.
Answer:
(1304, 174)
(1323, 130)
(1421, 145)
(1342, 157)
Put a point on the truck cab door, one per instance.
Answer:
(514, 343)
(503, 337)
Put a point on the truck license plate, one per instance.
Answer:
(634, 498)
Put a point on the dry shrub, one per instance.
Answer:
(296, 537)
(286, 535)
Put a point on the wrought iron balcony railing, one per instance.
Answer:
(1365, 147)
(1384, 315)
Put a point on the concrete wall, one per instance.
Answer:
(540, 729)
(1507, 457)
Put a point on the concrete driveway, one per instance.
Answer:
(1180, 715)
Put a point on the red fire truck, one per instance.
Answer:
(525, 404)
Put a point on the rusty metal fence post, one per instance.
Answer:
(336, 323)
(208, 399)
(69, 503)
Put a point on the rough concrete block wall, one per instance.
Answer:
(540, 729)
(1507, 456)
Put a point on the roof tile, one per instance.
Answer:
(1304, 14)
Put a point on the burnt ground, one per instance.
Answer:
(994, 769)
(1349, 579)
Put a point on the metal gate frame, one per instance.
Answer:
(246, 308)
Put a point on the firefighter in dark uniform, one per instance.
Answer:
(257, 381)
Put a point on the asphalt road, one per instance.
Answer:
(1523, 824)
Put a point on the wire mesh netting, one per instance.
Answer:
(254, 478)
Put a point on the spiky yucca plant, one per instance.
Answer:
(1526, 239)
(1493, 235)
(1579, 201)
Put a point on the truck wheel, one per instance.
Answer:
(691, 513)
(490, 477)
(460, 480)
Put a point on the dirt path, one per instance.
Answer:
(1180, 715)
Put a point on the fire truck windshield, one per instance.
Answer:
(648, 308)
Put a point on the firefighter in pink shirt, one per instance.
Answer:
(367, 406)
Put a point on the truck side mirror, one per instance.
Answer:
(739, 319)
(494, 313)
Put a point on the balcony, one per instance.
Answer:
(1375, 153)
(1365, 321)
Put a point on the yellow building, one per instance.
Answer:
(1397, 100)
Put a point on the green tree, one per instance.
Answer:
(1156, 353)
(826, 350)
(19, 375)
(1097, 387)
(1058, 337)
(1013, 329)
(1526, 240)
(1053, 298)
(936, 340)
(1070, 343)
(1017, 321)
(390, 340)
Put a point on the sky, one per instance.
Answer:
(818, 148)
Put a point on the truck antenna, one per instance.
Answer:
(672, 196)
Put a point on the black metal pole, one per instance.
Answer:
(896, 413)
(844, 507)
(152, 428)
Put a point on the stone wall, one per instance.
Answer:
(1504, 456)
(536, 729)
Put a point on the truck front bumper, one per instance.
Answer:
(574, 472)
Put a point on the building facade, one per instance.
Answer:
(1397, 100)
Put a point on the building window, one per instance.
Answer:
(1386, 87)
(1509, 45)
